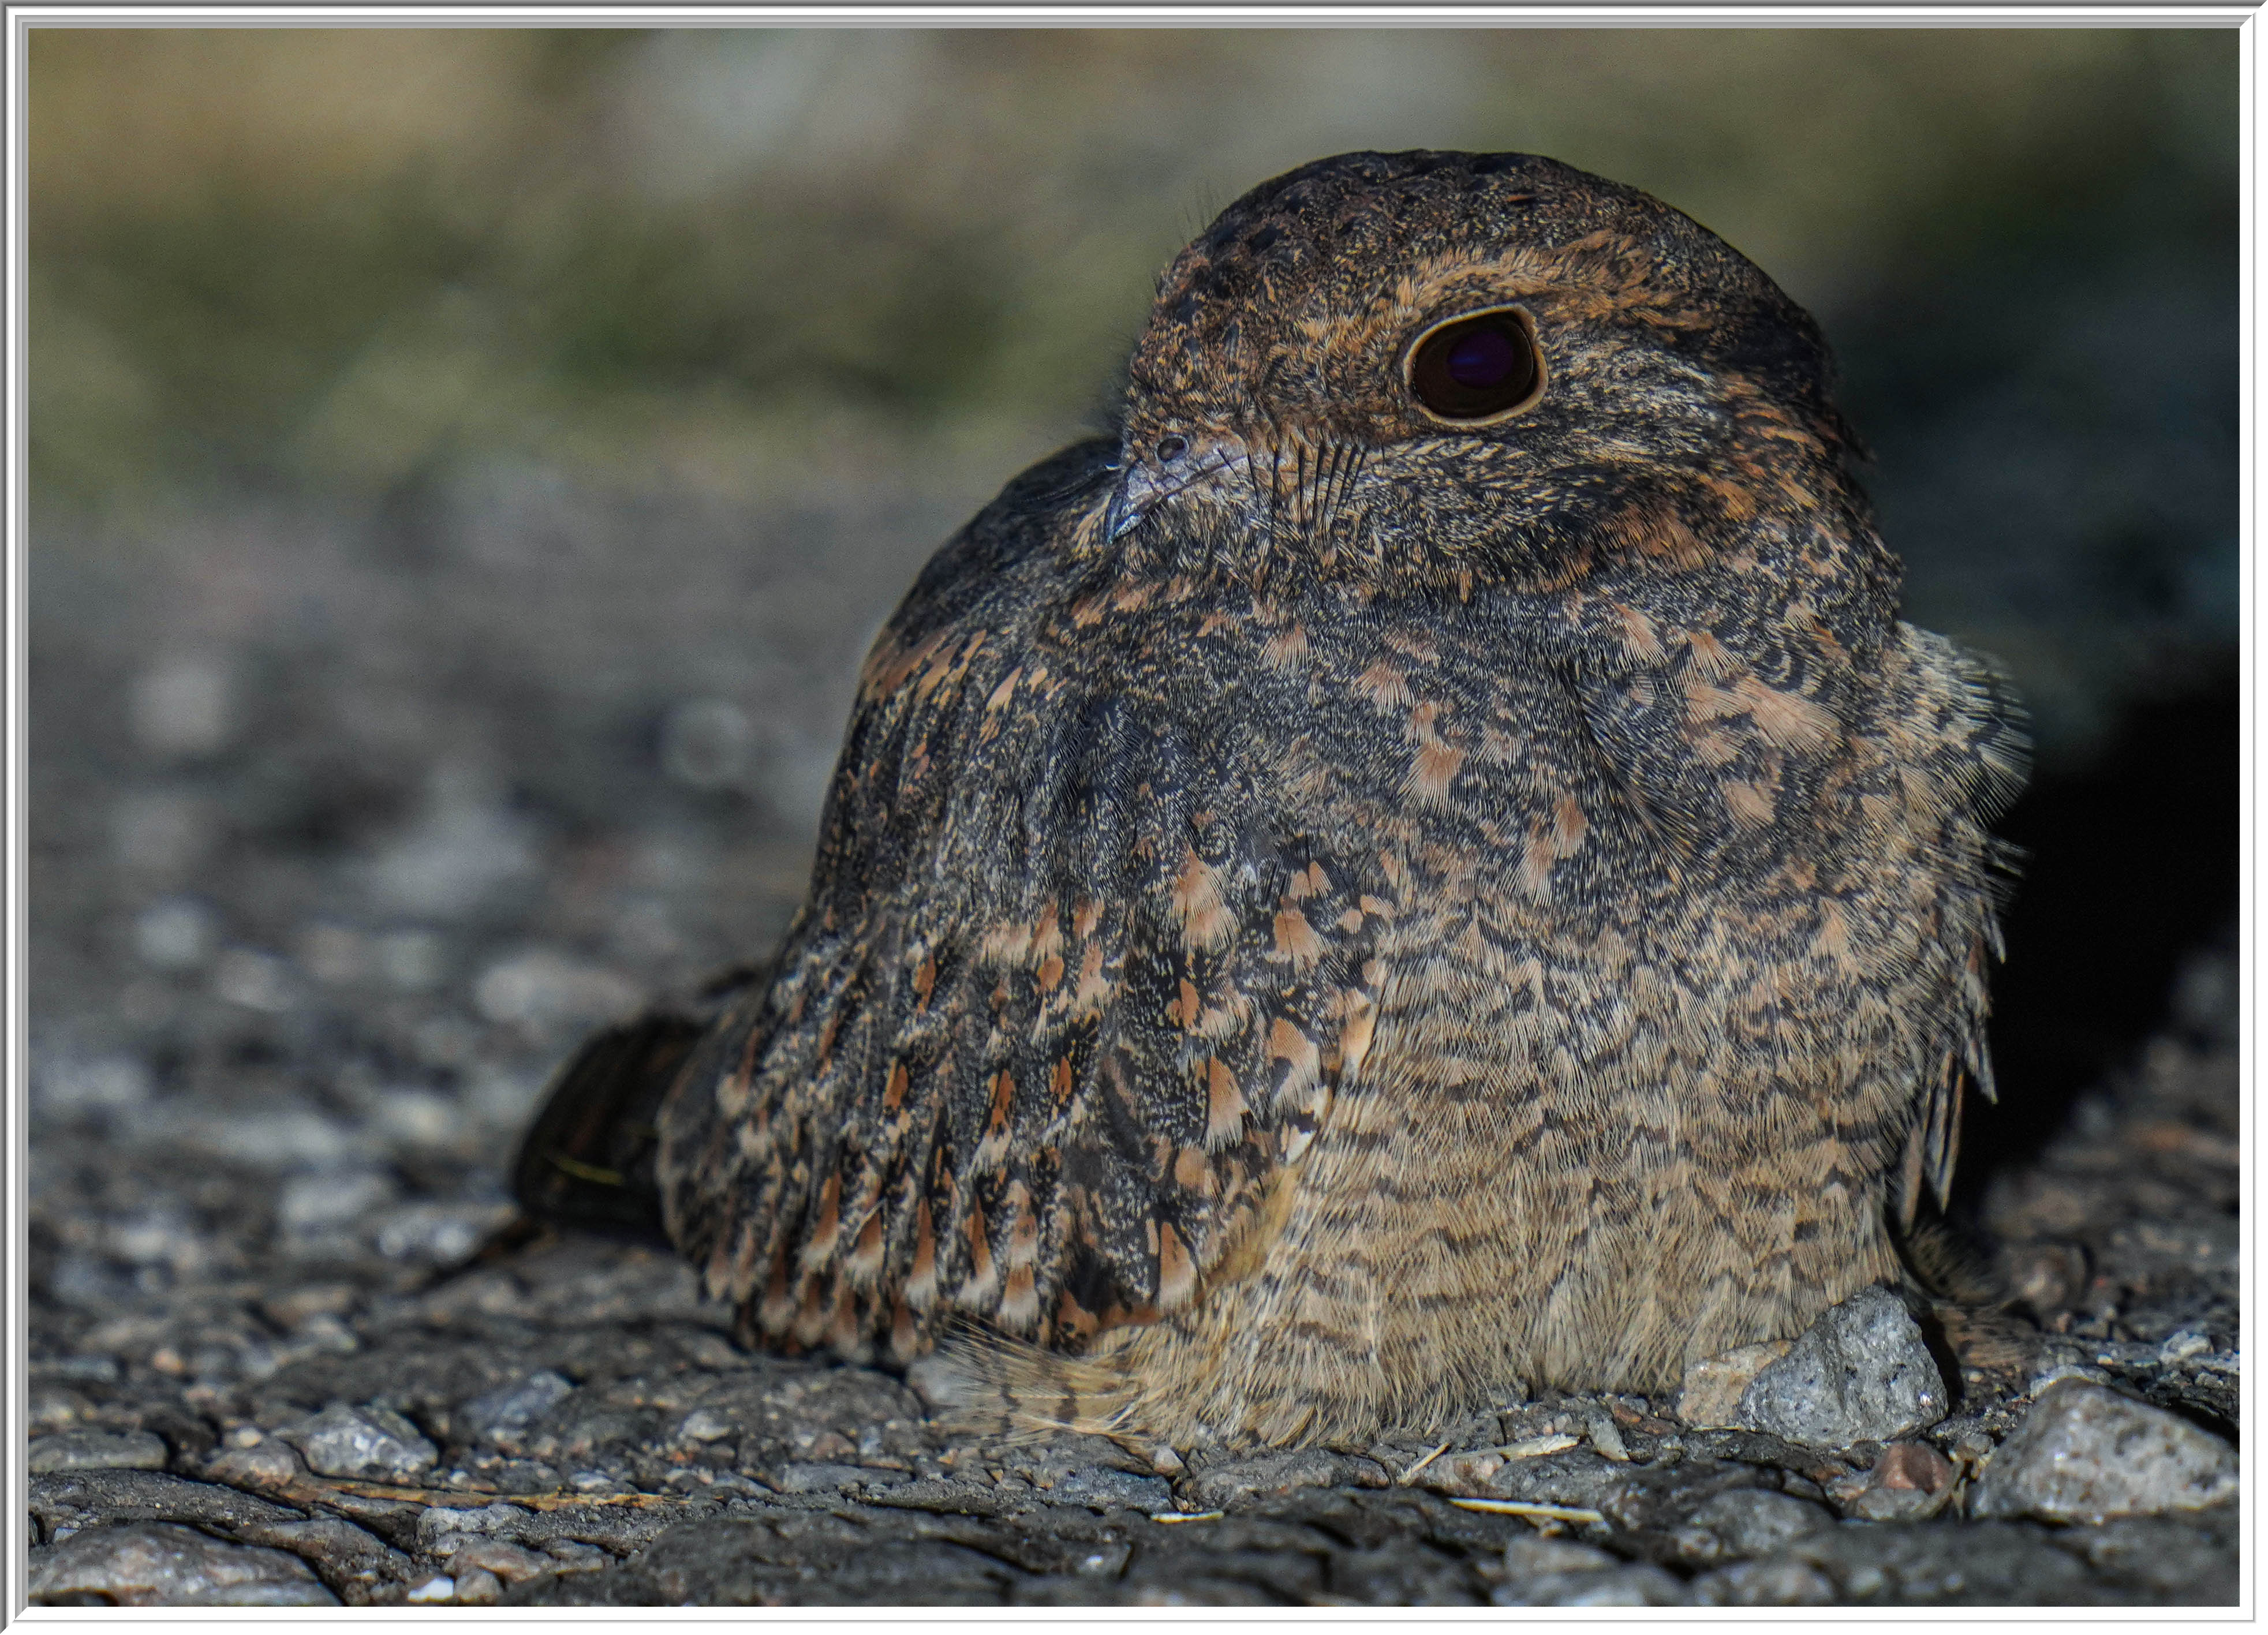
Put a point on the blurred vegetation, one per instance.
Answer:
(353, 267)
(332, 257)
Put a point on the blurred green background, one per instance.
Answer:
(468, 465)
(348, 264)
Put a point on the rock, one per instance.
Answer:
(74, 1501)
(1978, 1565)
(2184, 1558)
(1607, 1438)
(509, 1562)
(95, 1450)
(821, 1478)
(704, 1424)
(1763, 1584)
(272, 1465)
(351, 1559)
(1554, 1573)
(514, 1407)
(1911, 1482)
(160, 1563)
(2084, 1452)
(1712, 1393)
(1527, 1554)
(371, 1443)
(1470, 1474)
(478, 1588)
(1104, 1489)
(1746, 1522)
(438, 1524)
(1239, 1482)
(1861, 1374)
(438, 1234)
(48, 1408)
(542, 988)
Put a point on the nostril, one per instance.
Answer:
(1172, 448)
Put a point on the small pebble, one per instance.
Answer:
(478, 1588)
(1911, 1482)
(366, 1442)
(95, 1450)
(1763, 1584)
(516, 1406)
(1555, 1572)
(1745, 1522)
(265, 1466)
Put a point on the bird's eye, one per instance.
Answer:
(1477, 367)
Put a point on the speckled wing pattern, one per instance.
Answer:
(1062, 999)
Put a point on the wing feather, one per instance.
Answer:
(1066, 994)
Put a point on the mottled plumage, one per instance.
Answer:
(1326, 915)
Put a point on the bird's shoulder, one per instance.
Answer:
(1077, 979)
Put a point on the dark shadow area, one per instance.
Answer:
(2130, 863)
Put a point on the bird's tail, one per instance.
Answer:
(1946, 1265)
(588, 1159)
(1967, 1301)
(983, 1381)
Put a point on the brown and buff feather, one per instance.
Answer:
(1324, 916)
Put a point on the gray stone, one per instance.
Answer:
(512, 1562)
(1529, 1554)
(159, 1563)
(516, 1406)
(73, 1501)
(2084, 1453)
(1979, 1565)
(1557, 1573)
(351, 1559)
(824, 1478)
(273, 1464)
(54, 1408)
(439, 1522)
(95, 1450)
(1239, 1482)
(1745, 1522)
(1861, 1374)
(2184, 1558)
(371, 1443)
(704, 1424)
(1104, 1489)
(1763, 1584)
(478, 1588)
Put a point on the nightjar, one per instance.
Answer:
(1425, 864)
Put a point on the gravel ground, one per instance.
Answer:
(342, 835)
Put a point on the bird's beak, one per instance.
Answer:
(1145, 481)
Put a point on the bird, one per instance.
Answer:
(1421, 864)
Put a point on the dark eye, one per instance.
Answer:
(1480, 366)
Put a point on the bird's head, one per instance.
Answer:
(1435, 368)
